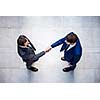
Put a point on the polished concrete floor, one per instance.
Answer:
(43, 31)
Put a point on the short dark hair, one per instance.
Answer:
(71, 37)
(21, 40)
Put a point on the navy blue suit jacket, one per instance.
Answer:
(73, 55)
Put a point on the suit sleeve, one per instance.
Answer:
(59, 42)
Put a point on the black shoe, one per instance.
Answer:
(33, 69)
(71, 68)
(63, 59)
(67, 69)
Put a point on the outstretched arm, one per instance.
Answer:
(59, 42)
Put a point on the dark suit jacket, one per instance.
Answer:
(27, 53)
(72, 55)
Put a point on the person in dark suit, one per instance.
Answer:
(72, 50)
(26, 51)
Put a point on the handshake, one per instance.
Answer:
(48, 49)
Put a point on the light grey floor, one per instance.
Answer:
(43, 31)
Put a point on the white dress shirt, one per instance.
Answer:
(71, 46)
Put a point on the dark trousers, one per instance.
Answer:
(72, 67)
(34, 59)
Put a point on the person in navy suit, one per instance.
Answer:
(72, 50)
(26, 51)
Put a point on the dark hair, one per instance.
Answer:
(21, 40)
(71, 37)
